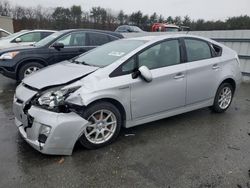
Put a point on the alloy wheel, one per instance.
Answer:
(225, 97)
(30, 70)
(102, 126)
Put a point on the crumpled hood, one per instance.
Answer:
(58, 74)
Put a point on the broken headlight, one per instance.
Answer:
(52, 99)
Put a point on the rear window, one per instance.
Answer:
(45, 34)
(97, 39)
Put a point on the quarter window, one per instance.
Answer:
(129, 66)
(162, 55)
(197, 50)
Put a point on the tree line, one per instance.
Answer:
(99, 18)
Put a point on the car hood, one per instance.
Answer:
(58, 74)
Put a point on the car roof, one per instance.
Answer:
(41, 30)
(94, 30)
(166, 36)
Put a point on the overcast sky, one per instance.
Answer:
(206, 9)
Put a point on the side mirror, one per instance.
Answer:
(145, 73)
(17, 40)
(58, 45)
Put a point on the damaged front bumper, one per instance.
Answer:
(65, 130)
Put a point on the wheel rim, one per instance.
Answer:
(30, 71)
(102, 126)
(225, 97)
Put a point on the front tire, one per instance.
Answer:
(223, 98)
(105, 124)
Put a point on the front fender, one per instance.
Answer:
(120, 95)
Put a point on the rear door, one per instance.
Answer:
(202, 71)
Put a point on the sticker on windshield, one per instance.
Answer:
(117, 54)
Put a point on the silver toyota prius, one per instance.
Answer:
(123, 84)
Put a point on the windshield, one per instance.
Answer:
(109, 53)
(14, 35)
(48, 39)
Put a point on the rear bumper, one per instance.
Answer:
(66, 128)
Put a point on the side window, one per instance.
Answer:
(65, 40)
(31, 37)
(73, 39)
(162, 55)
(197, 50)
(97, 39)
(121, 28)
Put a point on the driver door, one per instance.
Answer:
(167, 90)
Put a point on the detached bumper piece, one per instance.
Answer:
(49, 132)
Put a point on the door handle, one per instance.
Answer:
(179, 76)
(215, 67)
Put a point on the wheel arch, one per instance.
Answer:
(22, 62)
(230, 81)
(116, 103)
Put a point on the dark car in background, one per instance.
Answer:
(17, 63)
(128, 29)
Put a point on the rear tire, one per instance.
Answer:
(28, 68)
(105, 127)
(223, 98)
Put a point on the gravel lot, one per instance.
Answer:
(196, 149)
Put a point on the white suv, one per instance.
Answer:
(24, 37)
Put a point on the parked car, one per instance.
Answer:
(20, 62)
(128, 29)
(4, 33)
(163, 27)
(24, 37)
(123, 84)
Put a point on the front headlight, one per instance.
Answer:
(52, 99)
(8, 55)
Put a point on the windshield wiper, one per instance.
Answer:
(83, 63)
